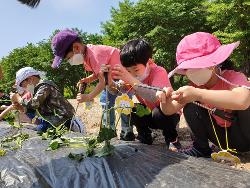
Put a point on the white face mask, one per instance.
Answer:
(77, 59)
(145, 74)
(199, 76)
(30, 88)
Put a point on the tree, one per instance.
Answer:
(162, 22)
(40, 57)
(230, 21)
(1, 73)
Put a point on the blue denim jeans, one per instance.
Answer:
(42, 126)
(125, 127)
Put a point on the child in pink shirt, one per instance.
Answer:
(138, 68)
(67, 45)
(213, 84)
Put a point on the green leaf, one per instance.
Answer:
(10, 118)
(106, 150)
(54, 144)
(142, 111)
(106, 134)
(78, 157)
(2, 152)
(15, 141)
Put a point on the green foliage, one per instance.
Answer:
(162, 22)
(106, 134)
(2, 152)
(10, 118)
(230, 21)
(40, 57)
(106, 150)
(14, 142)
(55, 144)
(142, 111)
(53, 133)
(78, 157)
(91, 145)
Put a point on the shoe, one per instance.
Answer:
(174, 146)
(129, 136)
(77, 125)
(145, 138)
(194, 152)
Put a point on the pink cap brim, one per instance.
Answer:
(56, 62)
(216, 58)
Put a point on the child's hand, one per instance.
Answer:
(105, 68)
(15, 98)
(19, 107)
(120, 73)
(186, 94)
(83, 98)
(83, 80)
(162, 96)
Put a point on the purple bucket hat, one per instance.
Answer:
(60, 43)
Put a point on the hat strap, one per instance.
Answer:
(228, 82)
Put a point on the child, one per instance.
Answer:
(200, 56)
(46, 99)
(67, 45)
(138, 68)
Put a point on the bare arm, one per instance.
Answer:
(6, 111)
(99, 87)
(91, 78)
(235, 99)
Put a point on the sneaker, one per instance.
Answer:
(145, 138)
(129, 136)
(77, 125)
(196, 153)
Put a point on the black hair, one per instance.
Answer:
(136, 51)
(227, 65)
(70, 48)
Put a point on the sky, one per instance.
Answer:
(20, 24)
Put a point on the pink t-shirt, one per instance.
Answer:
(96, 55)
(157, 77)
(235, 78)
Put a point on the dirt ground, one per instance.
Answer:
(92, 118)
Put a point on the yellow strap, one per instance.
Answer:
(228, 149)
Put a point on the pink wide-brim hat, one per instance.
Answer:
(201, 50)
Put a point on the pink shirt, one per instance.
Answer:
(96, 55)
(235, 78)
(157, 77)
